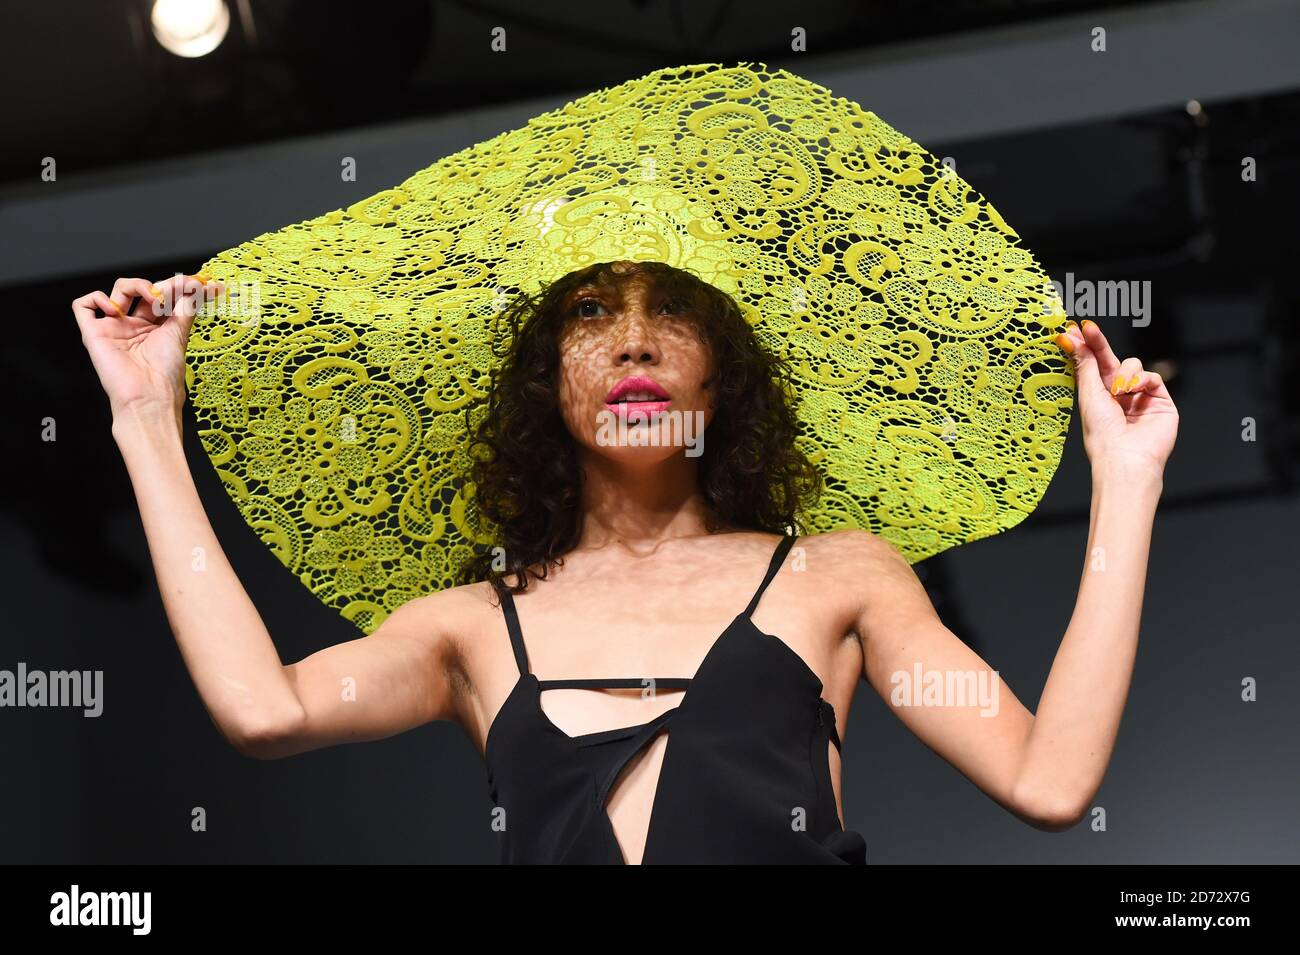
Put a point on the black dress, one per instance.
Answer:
(745, 775)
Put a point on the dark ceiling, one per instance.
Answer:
(86, 81)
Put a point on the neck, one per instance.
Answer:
(625, 504)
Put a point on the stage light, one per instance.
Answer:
(190, 28)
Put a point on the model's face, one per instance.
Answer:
(624, 331)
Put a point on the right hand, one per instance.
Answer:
(140, 357)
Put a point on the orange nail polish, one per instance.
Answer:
(1064, 342)
(1115, 385)
(1088, 321)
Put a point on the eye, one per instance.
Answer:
(673, 306)
(587, 308)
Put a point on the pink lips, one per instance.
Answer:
(649, 398)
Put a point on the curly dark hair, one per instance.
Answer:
(524, 466)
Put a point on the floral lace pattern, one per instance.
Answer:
(333, 382)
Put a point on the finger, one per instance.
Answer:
(105, 304)
(97, 330)
(1086, 375)
(211, 292)
(83, 310)
(208, 290)
(188, 305)
(1129, 370)
(101, 301)
(1107, 361)
(211, 285)
(212, 288)
(126, 289)
(176, 289)
(1148, 382)
(1069, 339)
(181, 282)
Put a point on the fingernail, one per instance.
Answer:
(156, 292)
(1133, 382)
(1071, 324)
(1064, 342)
(113, 305)
(1088, 321)
(1115, 385)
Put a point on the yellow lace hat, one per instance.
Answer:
(331, 383)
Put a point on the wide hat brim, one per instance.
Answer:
(331, 383)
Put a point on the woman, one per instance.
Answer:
(660, 548)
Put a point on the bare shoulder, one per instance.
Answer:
(451, 618)
(454, 625)
(851, 551)
(867, 571)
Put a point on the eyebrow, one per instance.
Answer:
(658, 287)
(583, 290)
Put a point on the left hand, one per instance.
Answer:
(1128, 416)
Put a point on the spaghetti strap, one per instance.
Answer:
(512, 625)
(617, 683)
(778, 558)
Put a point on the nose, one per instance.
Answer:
(635, 339)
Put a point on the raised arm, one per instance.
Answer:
(1045, 768)
(366, 688)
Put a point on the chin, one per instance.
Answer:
(637, 456)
